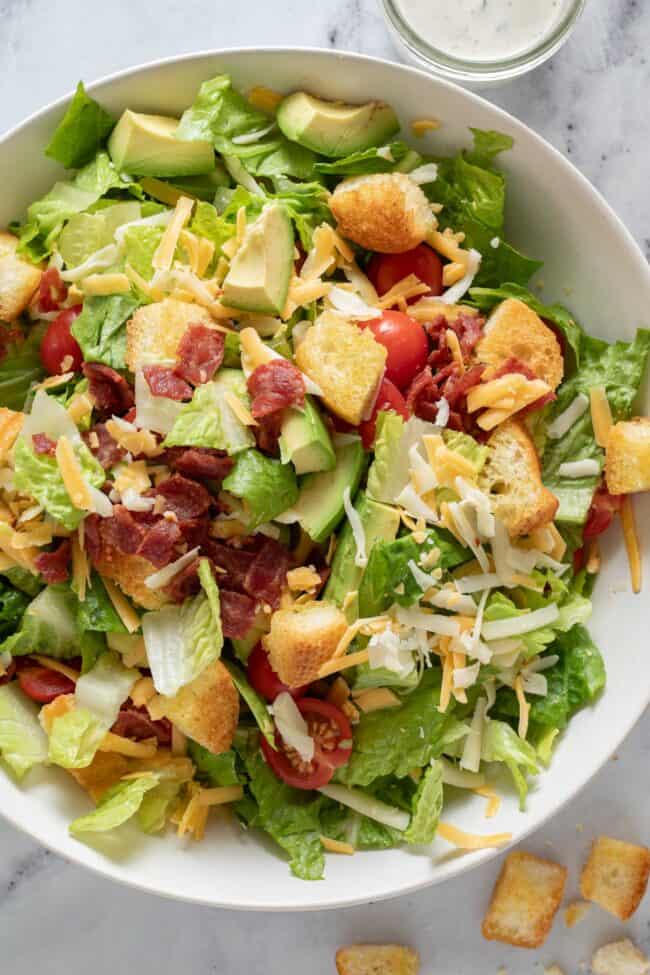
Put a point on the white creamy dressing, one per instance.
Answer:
(483, 30)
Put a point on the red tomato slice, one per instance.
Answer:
(52, 291)
(264, 679)
(43, 684)
(332, 735)
(58, 342)
(406, 343)
(385, 270)
(388, 398)
(602, 511)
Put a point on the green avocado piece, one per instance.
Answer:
(333, 128)
(380, 523)
(260, 271)
(304, 440)
(319, 507)
(146, 145)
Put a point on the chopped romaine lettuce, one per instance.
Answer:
(81, 132)
(100, 329)
(96, 612)
(427, 806)
(20, 366)
(23, 743)
(264, 484)
(75, 738)
(13, 603)
(256, 703)
(116, 805)
(48, 626)
(208, 420)
(214, 770)
(376, 159)
(502, 744)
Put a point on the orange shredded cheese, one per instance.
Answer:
(421, 126)
(408, 287)
(471, 841)
(494, 800)
(454, 347)
(601, 415)
(220, 795)
(341, 663)
(125, 746)
(303, 578)
(122, 606)
(376, 699)
(524, 707)
(264, 99)
(55, 709)
(57, 665)
(240, 410)
(368, 624)
(337, 846)
(632, 546)
(72, 475)
(164, 253)
(105, 284)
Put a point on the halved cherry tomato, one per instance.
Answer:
(58, 342)
(388, 398)
(264, 679)
(52, 290)
(332, 736)
(406, 343)
(43, 684)
(385, 270)
(603, 508)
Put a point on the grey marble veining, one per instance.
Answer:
(591, 101)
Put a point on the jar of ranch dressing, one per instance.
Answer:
(480, 42)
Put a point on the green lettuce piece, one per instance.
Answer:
(388, 579)
(256, 703)
(214, 770)
(75, 738)
(24, 580)
(500, 607)
(23, 743)
(39, 476)
(205, 185)
(467, 447)
(86, 233)
(265, 485)
(394, 741)
(96, 612)
(20, 366)
(81, 132)
(48, 626)
(619, 369)
(487, 145)
(208, 421)
(139, 246)
(427, 806)
(13, 603)
(157, 805)
(208, 223)
(116, 806)
(372, 160)
(502, 744)
(290, 816)
(232, 351)
(100, 329)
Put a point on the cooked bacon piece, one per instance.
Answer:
(274, 386)
(121, 532)
(201, 462)
(237, 613)
(54, 566)
(187, 499)
(200, 353)
(159, 543)
(163, 381)
(42, 444)
(267, 573)
(110, 391)
(106, 450)
(456, 388)
(93, 537)
(235, 561)
(195, 531)
(135, 723)
(185, 583)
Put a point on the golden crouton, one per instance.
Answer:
(129, 572)
(207, 709)
(524, 901)
(512, 476)
(386, 212)
(620, 958)
(616, 876)
(514, 329)
(105, 770)
(346, 362)
(18, 279)
(377, 960)
(154, 332)
(627, 464)
(302, 638)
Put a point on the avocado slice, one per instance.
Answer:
(260, 271)
(304, 440)
(380, 523)
(146, 145)
(319, 507)
(333, 128)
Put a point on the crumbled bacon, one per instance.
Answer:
(122, 531)
(93, 537)
(54, 566)
(101, 444)
(52, 291)
(112, 394)
(274, 386)
(200, 353)
(237, 614)
(135, 723)
(163, 381)
(185, 498)
(234, 561)
(200, 462)
(159, 543)
(185, 583)
(266, 574)
(42, 444)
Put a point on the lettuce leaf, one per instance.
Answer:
(13, 604)
(214, 770)
(427, 806)
(256, 704)
(39, 476)
(502, 744)
(96, 612)
(372, 160)
(266, 486)
(100, 329)
(116, 806)
(81, 132)
(208, 421)
(75, 738)
(487, 145)
(23, 743)
(20, 366)
(48, 626)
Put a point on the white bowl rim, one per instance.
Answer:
(634, 253)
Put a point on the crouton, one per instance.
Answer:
(11, 424)
(524, 901)
(154, 331)
(377, 960)
(346, 362)
(627, 464)
(514, 329)
(386, 212)
(616, 876)
(512, 475)
(105, 770)
(620, 958)
(302, 638)
(129, 572)
(207, 709)
(18, 279)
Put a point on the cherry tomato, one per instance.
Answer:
(602, 511)
(385, 270)
(406, 343)
(264, 679)
(43, 684)
(52, 291)
(388, 398)
(58, 342)
(332, 736)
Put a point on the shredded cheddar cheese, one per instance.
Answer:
(494, 800)
(72, 475)
(133, 440)
(524, 707)
(601, 415)
(408, 287)
(125, 746)
(264, 99)
(122, 606)
(240, 410)
(368, 624)
(57, 665)
(220, 795)
(55, 709)
(376, 699)
(337, 846)
(164, 253)
(10, 426)
(454, 347)
(421, 126)
(341, 663)
(471, 841)
(105, 284)
(632, 546)
(303, 578)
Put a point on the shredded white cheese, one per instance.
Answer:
(431, 622)
(579, 468)
(351, 305)
(292, 727)
(442, 413)
(157, 580)
(517, 625)
(360, 559)
(565, 420)
(427, 173)
(453, 295)
(386, 650)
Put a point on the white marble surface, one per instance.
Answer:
(591, 102)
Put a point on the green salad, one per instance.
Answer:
(300, 484)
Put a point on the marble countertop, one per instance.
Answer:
(58, 918)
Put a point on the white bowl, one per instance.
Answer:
(593, 264)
